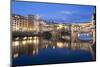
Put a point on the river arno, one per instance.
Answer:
(37, 50)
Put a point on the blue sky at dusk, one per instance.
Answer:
(58, 12)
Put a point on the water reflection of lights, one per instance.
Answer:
(53, 47)
(15, 43)
(60, 44)
(15, 55)
(24, 42)
(66, 44)
(36, 41)
(35, 37)
(46, 46)
(75, 46)
(57, 44)
(37, 51)
(34, 52)
(29, 41)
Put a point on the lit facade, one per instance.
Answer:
(19, 23)
(35, 24)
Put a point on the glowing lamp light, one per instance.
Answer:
(60, 26)
(17, 38)
(24, 38)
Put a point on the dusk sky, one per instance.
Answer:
(58, 12)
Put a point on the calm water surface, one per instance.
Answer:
(37, 50)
